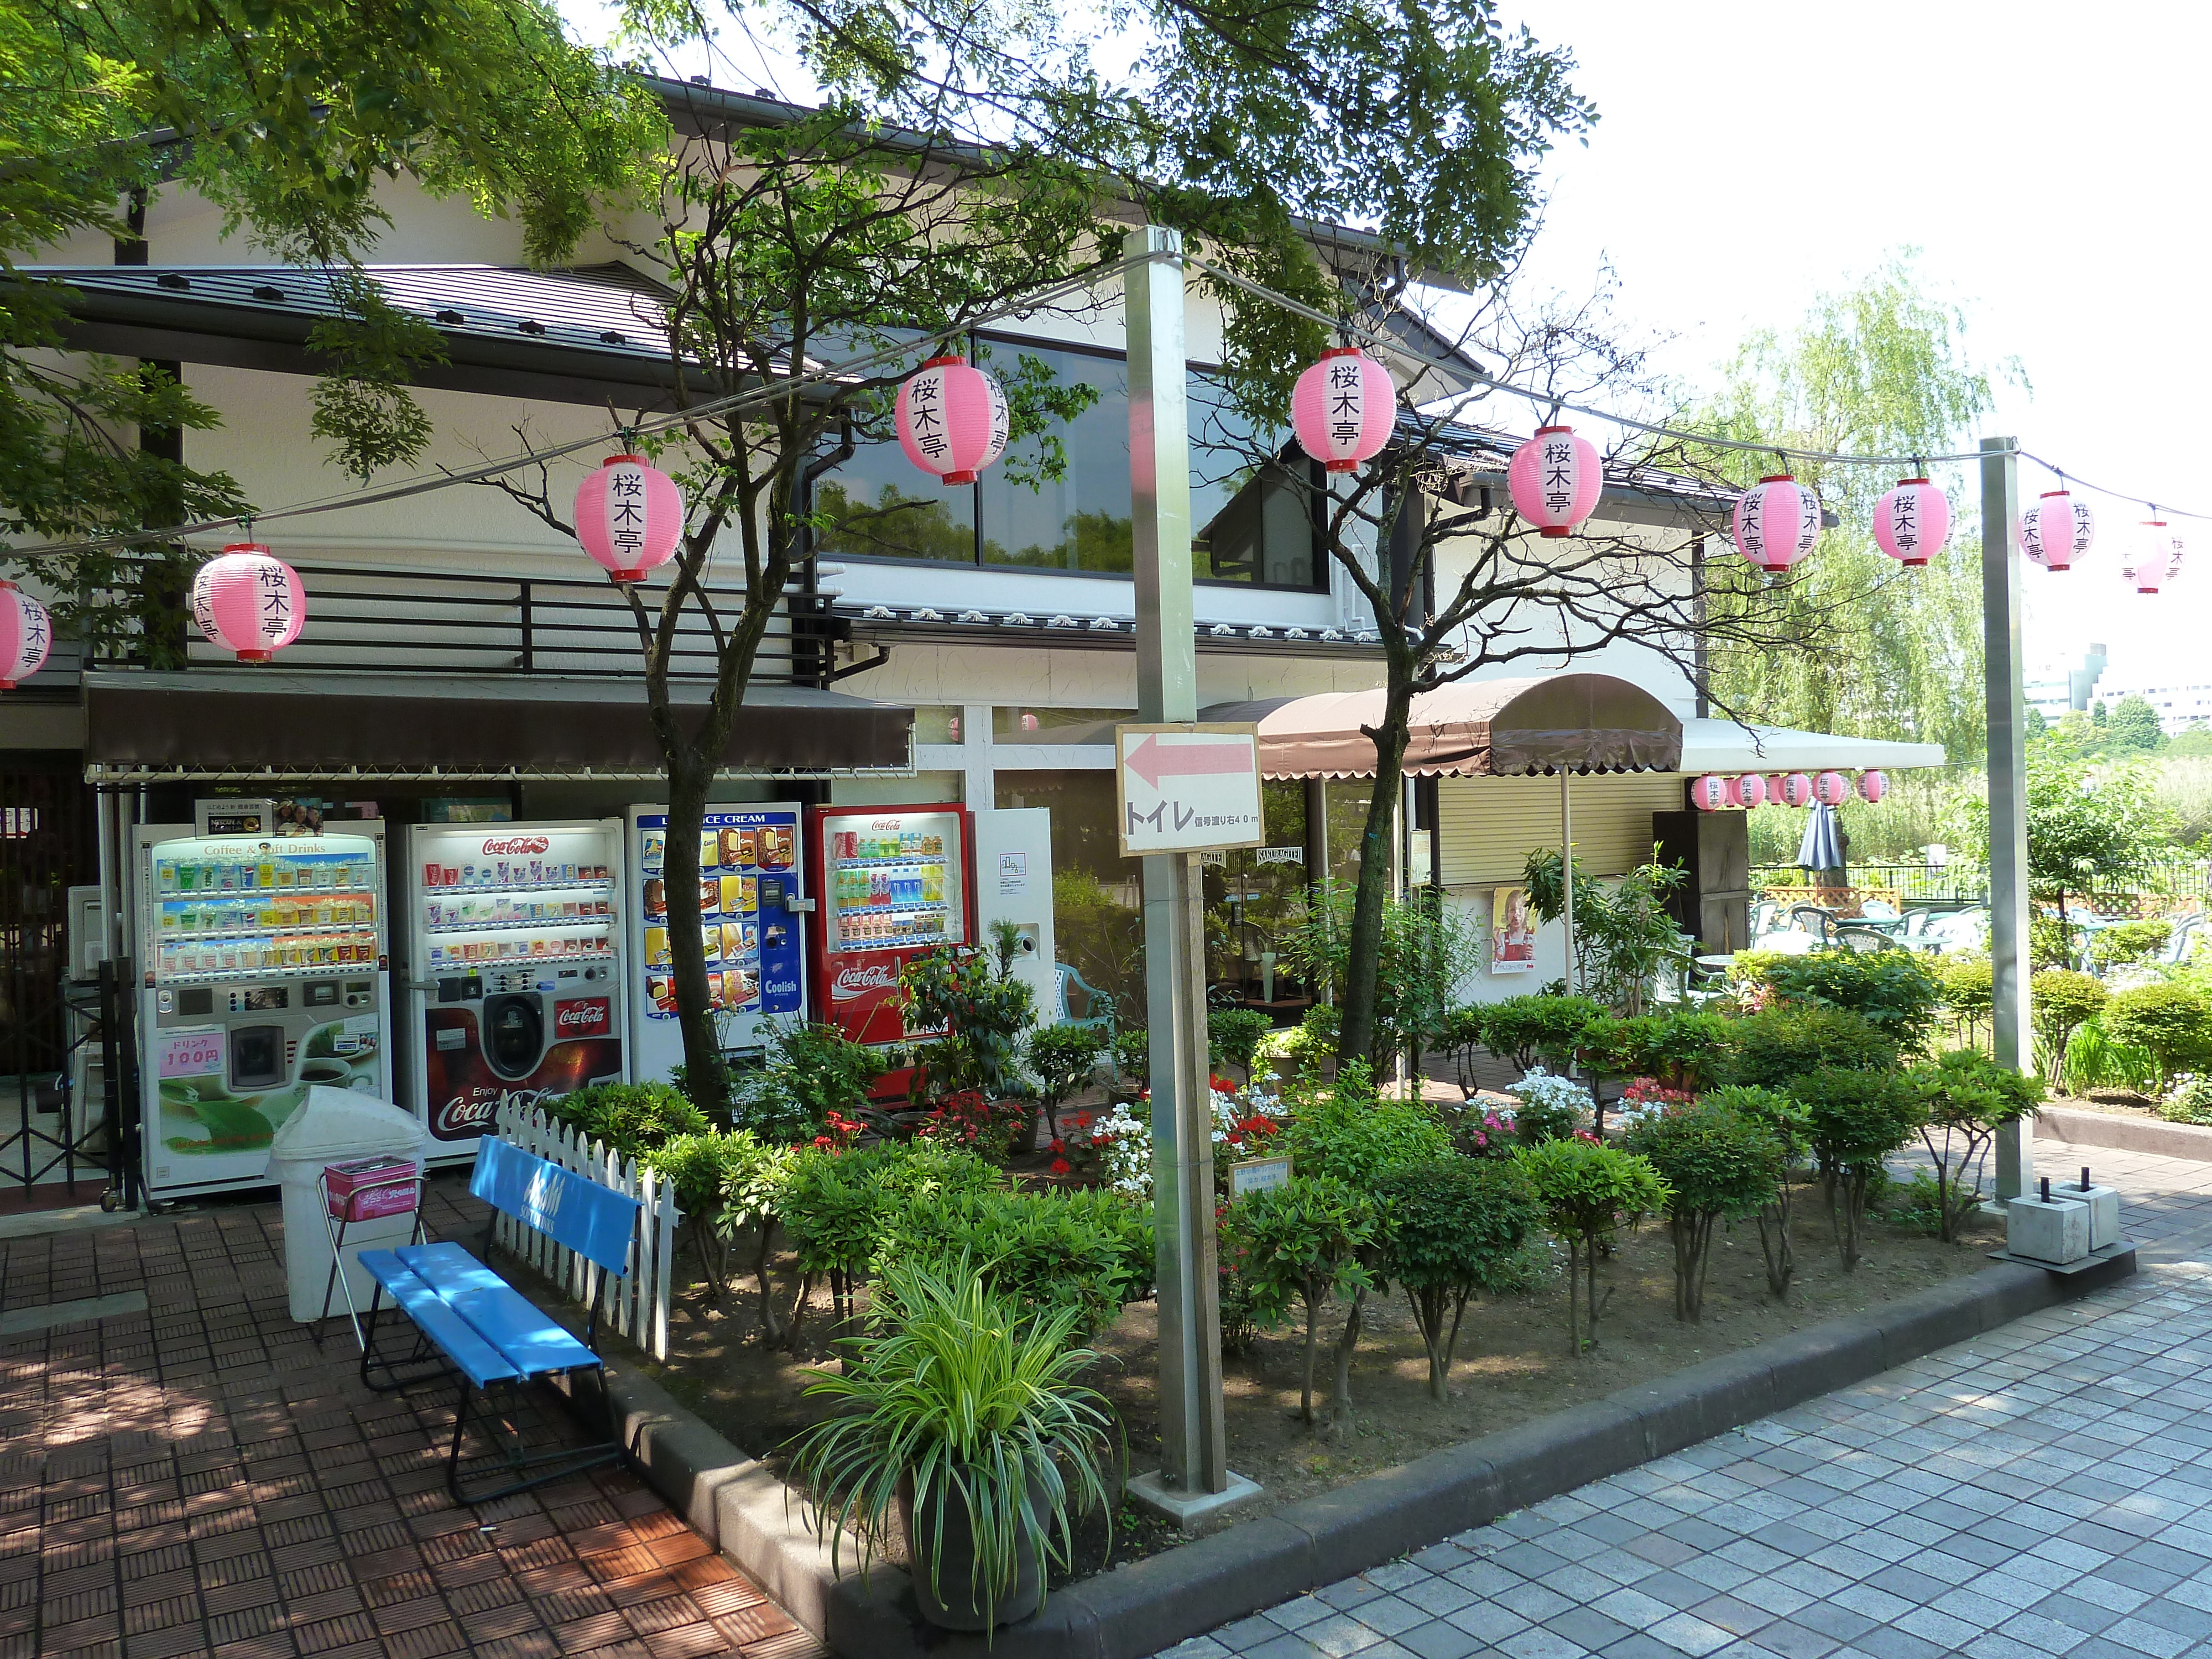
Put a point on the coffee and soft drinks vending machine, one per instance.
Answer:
(514, 969)
(261, 966)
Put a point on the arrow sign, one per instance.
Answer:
(1153, 760)
(1187, 788)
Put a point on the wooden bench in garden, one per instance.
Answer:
(472, 1324)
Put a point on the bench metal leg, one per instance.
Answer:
(423, 1364)
(558, 1463)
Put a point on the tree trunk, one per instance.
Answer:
(1305, 1390)
(1340, 1419)
(1693, 1244)
(1574, 1298)
(772, 1329)
(703, 1075)
(1774, 1239)
(1358, 1035)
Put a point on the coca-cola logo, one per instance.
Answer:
(585, 1016)
(464, 1115)
(511, 845)
(859, 981)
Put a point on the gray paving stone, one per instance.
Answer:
(1686, 1633)
(1438, 1640)
(1287, 1645)
(1389, 1614)
(1486, 1621)
(1437, 1597)
(1337, 1636)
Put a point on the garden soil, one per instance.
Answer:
(1513, 1361)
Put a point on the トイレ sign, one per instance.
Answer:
(1188, 788)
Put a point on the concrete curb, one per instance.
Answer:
(1149, 1605)
(2125, 1134)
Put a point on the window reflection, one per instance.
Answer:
(1080, 521)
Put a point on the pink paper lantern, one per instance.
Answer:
(2057, 530)
(1774, 788)
(1344, 408)
(1796, 790)
(249, 602)
(1554, 479)
(27, 633)
(1748, 790)
(1709, 793)
(2155, 559)
(1777, 520)
(1872, 786)
(1832, 789)
(629, 516)
(952, 419)
(1912, 521)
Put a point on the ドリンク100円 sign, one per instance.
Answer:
(1187, 789)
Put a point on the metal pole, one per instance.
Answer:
(1193, 1451)
(1567, 874)
(2007, 762)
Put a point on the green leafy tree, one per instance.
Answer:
(1590, 1191)
(2060, 1002)
(1064, 1059)
(1526, 1030)
(1624, 935)
(1855, 1120)
(1969, 994)
(2172, 1023)
(1879, 369)
(1777, 1046)
(1966, 1097)
(1786, 1119)
(1309, 1241)
(1456, 1227)
(808, 1072)
(1894, 991)
(1718, 1163)
(2133, 727)
(1235, 1033)
(1345, 1133)
(1425, 951)
(984, 1014)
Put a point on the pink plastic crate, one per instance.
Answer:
(374, 1185)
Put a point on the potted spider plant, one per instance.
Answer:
(963, 1426)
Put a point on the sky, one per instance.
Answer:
(2044, 161)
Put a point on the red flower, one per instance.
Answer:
(1061, 1166)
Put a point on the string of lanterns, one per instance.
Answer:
(1714, 791)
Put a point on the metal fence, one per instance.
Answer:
(2180, 878)
(636, 1302)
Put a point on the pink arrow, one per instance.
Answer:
(1153, 760)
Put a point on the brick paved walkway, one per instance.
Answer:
(199, 1478)
(2046, 1489)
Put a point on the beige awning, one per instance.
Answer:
(1472, 728)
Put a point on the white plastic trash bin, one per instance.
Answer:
(330, 1125)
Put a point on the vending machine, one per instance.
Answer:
(752, 901)
(514, 968)
(263, 971)
(893, 882)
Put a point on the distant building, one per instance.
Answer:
(2053, 691)
(2180, 704)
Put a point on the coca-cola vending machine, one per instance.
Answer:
(892, 882)
(515, 973)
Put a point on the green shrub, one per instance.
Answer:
(1964, 1098)
(2128, 941)
(1776, 1046)
(1455, 1226)
(1307, 1048)
(1787, 1121)
(1968, 989)
(1855, 1119)
(2192, 1102)
(1680, 1050)
(1133, 1054)
(2060, 1002)
(2094, 1061)
(983, 1011)
(1890, 990)
(2050, 943)
(1063, 1057)
(2172, 1023)
(1346, 1133)
(1588, 1191)
(838, 1208)
(1459, 1035)
(1306, 1241)
(629, 1117)
(1718, 1163)
(1525, 1030)
(1232, 1034)
(1087, 1251)
(808, 1072)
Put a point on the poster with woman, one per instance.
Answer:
(1512, 931)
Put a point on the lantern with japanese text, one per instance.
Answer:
(1748, 790)
(1796, 790)
(1709, 793)
(629, 516)
(2057, 530)
(1872, 786)
(26, 633)
(952, 419)
(1555, 478)
(1344, 408)
(1777, 520)
(2155, 559)
(1832, 788)
(1912, 521)
(249, 602)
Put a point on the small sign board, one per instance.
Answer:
(195, 1053)
(1258, 1175)
(1187, 789)
(1282, 855)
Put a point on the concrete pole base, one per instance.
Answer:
(1187, 1509)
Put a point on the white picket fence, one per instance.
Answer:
(636, 1299)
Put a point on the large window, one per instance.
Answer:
(1251, 525)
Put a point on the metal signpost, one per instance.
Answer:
(2008, 717)
(1157, 769)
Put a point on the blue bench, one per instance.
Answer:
(472, 1324)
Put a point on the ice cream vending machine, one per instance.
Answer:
(893, 882)
(263, 971)
(514, 969)
(752, 905)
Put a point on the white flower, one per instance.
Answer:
(1542, 1088)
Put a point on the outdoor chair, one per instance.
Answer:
(1097, 1005)
(1812, 919)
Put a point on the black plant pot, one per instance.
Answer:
(956, 1603)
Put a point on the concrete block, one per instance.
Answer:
(2103, 1206)
(2056, 1232)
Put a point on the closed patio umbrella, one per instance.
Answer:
(1823, 846)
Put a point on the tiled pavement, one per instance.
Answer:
(2046, 1489)
(199, 1479)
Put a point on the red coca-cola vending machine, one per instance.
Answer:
(891, 882)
